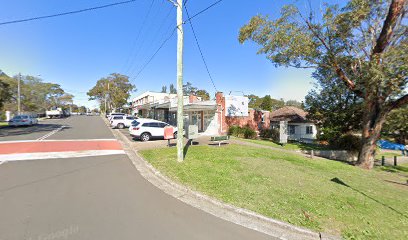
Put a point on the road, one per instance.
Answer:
(94, 197)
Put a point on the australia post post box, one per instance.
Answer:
(168, 133)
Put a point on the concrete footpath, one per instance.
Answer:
(274, 228)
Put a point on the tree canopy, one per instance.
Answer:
(363, 43)
(115, 89)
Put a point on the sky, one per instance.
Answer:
(77, 50)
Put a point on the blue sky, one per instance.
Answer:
(77, 50)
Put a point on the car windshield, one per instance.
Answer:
(135, 123)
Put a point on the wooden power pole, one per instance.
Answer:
(19, 94)
(180, 95)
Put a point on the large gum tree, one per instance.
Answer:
(363, 43)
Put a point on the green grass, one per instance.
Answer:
(3, 124)
(387, 154)
(298, 190)
(289, 146)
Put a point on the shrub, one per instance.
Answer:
(348, 142)
(270, 134)
(241, 132)
(249, 133)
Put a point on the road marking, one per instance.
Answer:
(50, 133)
(53, 155)
(62, 140)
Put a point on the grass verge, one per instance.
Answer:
(318, 194)
(289, 146)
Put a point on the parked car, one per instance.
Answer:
(111, 115)
(23, 120)
(120, 122)
(146, 129)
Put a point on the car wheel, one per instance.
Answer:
(175, 135)
(145, 137)
(121, 126)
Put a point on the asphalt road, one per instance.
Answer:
(99, 198)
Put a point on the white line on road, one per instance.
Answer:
(51, 155)
(50, 133)
(62, 140)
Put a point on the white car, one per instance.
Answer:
(146, 129)
(121, 121)
(110, 116)
(23, 120)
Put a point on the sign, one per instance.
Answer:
(236, 106)
(168, 132)
(192, 132)
(283, 132)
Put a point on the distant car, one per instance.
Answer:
(23, 120)
(120, 122)
(146, 129)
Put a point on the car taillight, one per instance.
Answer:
(136, 128)
(24, 120)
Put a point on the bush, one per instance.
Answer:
(347, 142)
(249, 133)
(242, 132)
(270, 134)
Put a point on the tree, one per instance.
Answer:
(164, 89)
(397, 124)
(364, 43)
(36, 95)
(294, 103)
(334, 109)
(266, 103)
(203, 94)
(173, 90)
(254, 101)
(5, 91)
(115, 89)
(188, 88)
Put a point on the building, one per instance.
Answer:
(299, 127)
(214, 117)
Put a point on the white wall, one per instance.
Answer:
(300, 131)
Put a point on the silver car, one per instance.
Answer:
(23, 120)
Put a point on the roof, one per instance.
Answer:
(289, 113)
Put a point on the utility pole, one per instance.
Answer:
(180, 95)
(18, 94)
(106, 99)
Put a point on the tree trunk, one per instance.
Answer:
(372, 124)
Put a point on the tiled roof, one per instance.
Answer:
(289, 113)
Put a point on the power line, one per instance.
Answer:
(128, 61)
(151, 58)
(174, 30)
(68, 13)
(153, 42)
(199, 48)
(202, 11)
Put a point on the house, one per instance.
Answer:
(299, 127)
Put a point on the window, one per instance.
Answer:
(146, 125)
(130, 118)
(292, 129)
(309, 129)
(117, 117)
(135, 123)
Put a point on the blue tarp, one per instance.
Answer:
(390, 145)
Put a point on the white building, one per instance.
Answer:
(299, 127)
